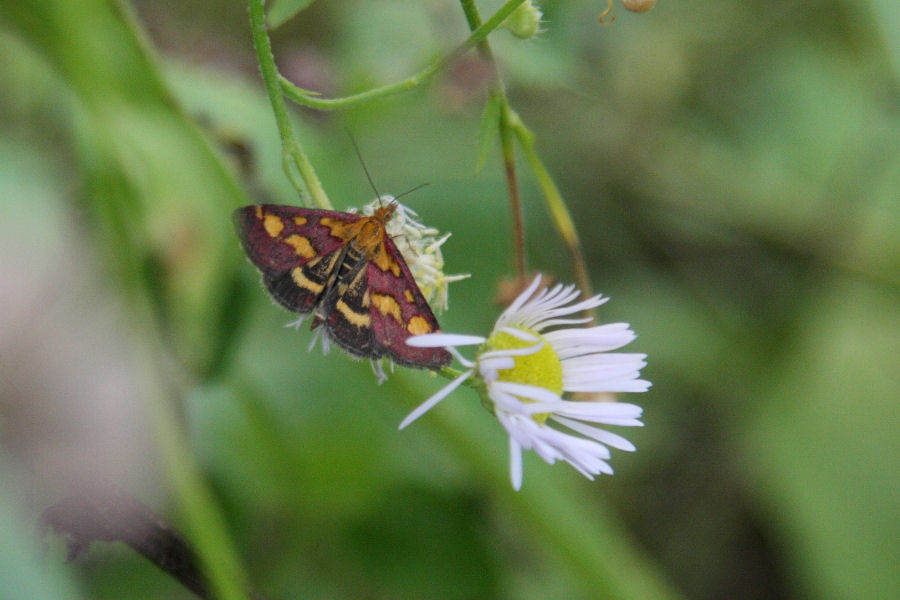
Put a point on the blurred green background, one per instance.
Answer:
(734, 171)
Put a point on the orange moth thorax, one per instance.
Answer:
(372, 229)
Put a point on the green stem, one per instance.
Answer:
(474, 19)
(292, 154)
(506, 143)
(559, 212)
(478, 35)
(511, 123)
(515, 202)
(449, 373)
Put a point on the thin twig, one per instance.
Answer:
(116, 516)
(479, 33)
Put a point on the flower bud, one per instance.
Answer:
(525, 21)
(638, 6)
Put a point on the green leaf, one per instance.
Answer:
(486, 130)
(283, 11)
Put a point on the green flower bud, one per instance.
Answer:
(525, 21)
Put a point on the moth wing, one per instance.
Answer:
(294, 250)
(345, 309)
(300, 288)
(399, 310)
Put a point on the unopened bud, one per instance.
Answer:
(525, 21)
(638, 6)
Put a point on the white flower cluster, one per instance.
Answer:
(421, 249)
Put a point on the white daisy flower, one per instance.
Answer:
(533, 356)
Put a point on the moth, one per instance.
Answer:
(345, 270)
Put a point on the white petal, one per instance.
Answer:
(512, 427)
(600, 374)
(606, 358)
(525, 390)
(602, 367)
(550, 313)
(623, 385)
(546, 305)
(378, 369)
(537, 408)
(296, 324)
(538, 307)
(557, 322)
(604, 373)
(520, 334)
(498, 363)
(513, 351)
(602, 436)
(520, 300)
(605, 453)
(504, 402)
(462, 359)
(598, 412)
(515, 464)
(586, 456)
(442, 340)
(431, 402)
(573, 341)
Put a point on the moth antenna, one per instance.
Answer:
(410, 191)
(363, 163)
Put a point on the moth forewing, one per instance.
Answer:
(345, 269)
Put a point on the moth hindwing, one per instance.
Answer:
(343, 268)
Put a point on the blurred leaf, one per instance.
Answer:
(161, 197)
(285, 10)
(236, 117)
(887, 15)
(824, 445)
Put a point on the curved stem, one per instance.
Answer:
(479, 34)
(292, 154)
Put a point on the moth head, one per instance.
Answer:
(384, 212)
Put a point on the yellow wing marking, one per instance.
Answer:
(383, 261)
(301, 245)
(306, 283)
(418, 326)
(387, 305)
(354, 318)
(273, 225)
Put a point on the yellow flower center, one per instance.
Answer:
(541, 369)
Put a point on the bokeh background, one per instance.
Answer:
(734, 171)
